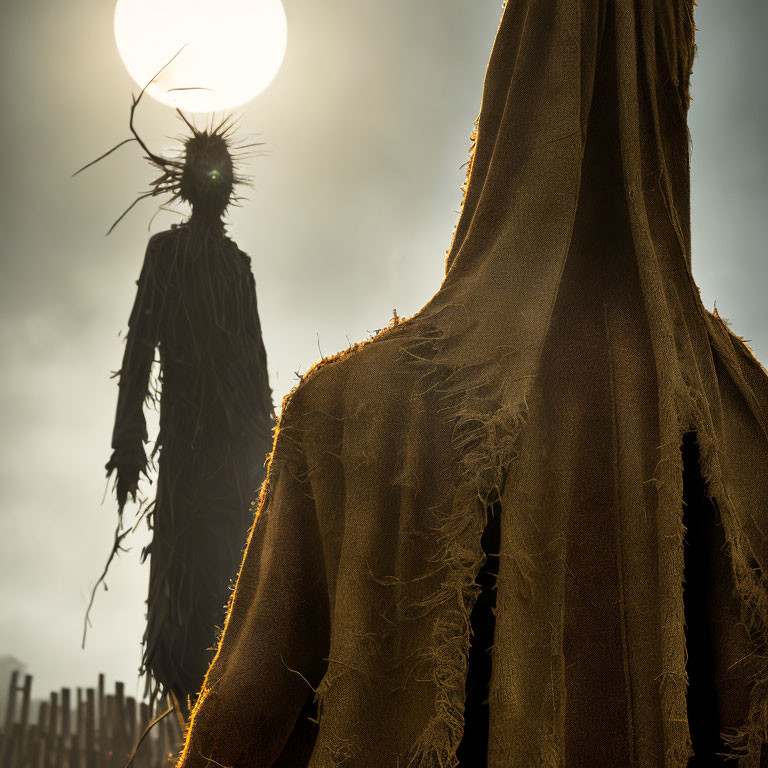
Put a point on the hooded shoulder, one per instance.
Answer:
(373, 369)
(367, 386)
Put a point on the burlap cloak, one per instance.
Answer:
(556, 371)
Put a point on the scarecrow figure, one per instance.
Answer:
(196, 304)
(529, 525)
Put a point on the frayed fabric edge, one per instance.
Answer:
(745, 743)
(485, 436)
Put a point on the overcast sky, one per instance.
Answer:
(367, 126)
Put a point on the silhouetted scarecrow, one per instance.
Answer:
(196, 304)
(566, 399)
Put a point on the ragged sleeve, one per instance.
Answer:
(130, 432)
(272, 654)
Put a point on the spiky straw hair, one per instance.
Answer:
(205, 174)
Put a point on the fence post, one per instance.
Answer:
(130, 712)
(53, 727)
(42, 736)
(121, 729)
(64, 743)
(90, 726)
(109, 735)
(22, 748)
(78, 742)
(10, 718)
(101, 724)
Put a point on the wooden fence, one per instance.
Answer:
(84, 729)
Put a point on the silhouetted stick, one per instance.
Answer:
(101, 157)
(135, 137)
(136, 101)
(116, 546)
(152, 193)
(144, 735)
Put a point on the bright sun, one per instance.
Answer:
(230, 49)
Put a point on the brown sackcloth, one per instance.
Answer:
(555, 372)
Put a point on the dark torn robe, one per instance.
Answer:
(196, 302)
(555, 378)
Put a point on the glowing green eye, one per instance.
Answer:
(213, 175)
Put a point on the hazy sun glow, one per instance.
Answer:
(232, 49)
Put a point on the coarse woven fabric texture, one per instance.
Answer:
(555, 374)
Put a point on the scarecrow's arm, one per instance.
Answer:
(128, 458)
